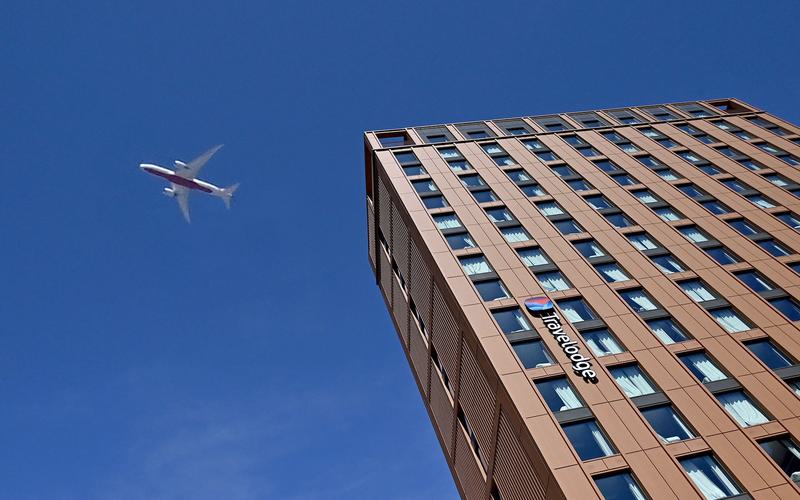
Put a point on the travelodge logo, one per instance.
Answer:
(543, 308)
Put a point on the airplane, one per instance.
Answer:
(183, 180)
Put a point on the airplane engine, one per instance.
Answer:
(169, 192)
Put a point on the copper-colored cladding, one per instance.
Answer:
(524, 451)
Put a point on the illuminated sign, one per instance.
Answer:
(545, 310)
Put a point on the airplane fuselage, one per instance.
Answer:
(174, 178)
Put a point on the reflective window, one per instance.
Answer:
(606, 165)
(631, 380)
(580, 185)
(730, 320)
(697, 290)
(589, 248)
(446, 221)
(642, 242)
(553, 281)
(668, 214)
(515, 234)
(619, 486)
(532, 256)
(484, 196)
(472, 180)
(788, 307)
(770, 355)
(518, 175)
(424, 186)
(475, 265)
(624, 179)
(693, 234)
(741, 408)
(711, 479)
(784, 452)
(532, 353)
(790, 219)
(619, 220)
(638, 300)
(755, 281)
(744, 227)
(774, 248)
(549, 208)
(588, 440)
(434, 202)
(668, 264)
(601, 342)
(669, 426)
(511, 320)
(722, 255)
(598, 202)
(491, 290)
(499, 214)
(576, 310)
(667, 330)
(460, 241)
(702, 367)
(568, 226)
(414, 170)
(716, 207)
(533, 190)
(558, 394)
(612, 272)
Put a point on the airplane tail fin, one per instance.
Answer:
(227, 194)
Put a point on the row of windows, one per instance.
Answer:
(555, 123)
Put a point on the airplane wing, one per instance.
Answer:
(182, 197)
(191, 169)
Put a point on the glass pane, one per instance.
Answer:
(515, 234)
(575, 310)
(533, 354)
(667, 424)
(491, 290)
(730, 320)
(709, 477)
(601, 342)
(612, 272)
(668, 264)
(558, 394)
(446, 221)
(785, 453)
(769, 354)
(667, 330)
(475, 265)
(532, 256)
(511, 320)
(788, 307)
(755, 281)
(631, 380)
(553, 281)
(588, 440)
(434, 202)
(460, 241)
(741, 408)
(619, 486)
(702, 367)
(568, 227)
(638, 300)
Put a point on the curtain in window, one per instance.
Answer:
(602, 344)
(642, 243)
(614, 273)
(709, 477)
(600, 439)
(533, 258)
(636, 493)
(694, 235)
(704, 366)
(646, 197)
(447, 221)
(553, 282)
(520, 320)
(640, 300)
(697, 292)
(550, 209)
(730, 321)
(663, 335)
(594, 250)
(573, 316)
(739, 406)
(631, 381)
(475, 266)
(566, 395)
(515, 234)
(679, 423)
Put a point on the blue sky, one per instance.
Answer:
(249, 355)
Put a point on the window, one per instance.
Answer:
(638, 300)
(532, 353)
(576, 310)
(394, 139)
(693, 234)
(515, 234)
(511, 320)
(547, 156)
(743, 226)
(414, 170)
(668, 264)
(784, 452)
(498, 154)
(618, 220)
(648, 161)
(716, 207)
(770, 355)
(774, 248)
(727, 151)
(668, 425)
(425, 186)
(645, 196)
(755, 281)
(475, 265)
(631, 380)
(692, 191)
(580, 185)
(549, 208)
(722, 255)
(491, 290)
(588, 151)
(472, 180)
(598, 202)
(588, 440)
(606, 165)
(624, 179)
(460, 241)
(660, 113)
(794, 266)
(667, 330)
(641, 241)
(697, 291)
(434, 202)
(562, 170)
(668, 174)
(767, 125)
(667, 142)
(533, 190)
(499, 214)
(440, 368)
(668, 214)
(790, 219)
(553, 281)
(788, 307)
(533, 257)
(484, 196)
(702, 367)
(760, 201)
(573, 140)
(446, 221)
(533, 144)
(518, 175)
(601, 342)
(473, 440)
(568, 226)
(709, 477)
(612, 272)
(750, 164)
(589, 249)
(730, 320)
(741, 408)
(619, 486)
(558, 394)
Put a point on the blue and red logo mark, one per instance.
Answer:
(539, 304)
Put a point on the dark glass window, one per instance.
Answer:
(484, 196)
(788, 307)
(716, 207)
(709, 477)
(619, 486)
(639, 300)
(558, 394)
(667, 330)
(532, 353)
(598, 202)
(669, 426)
(784, 452)
(769, 354)
(434, 202)
(491, 290)
(722, 255)
(619, 220)
(511, 320)
(774, 248)
(568, 226)
(589, 248)
(606, 165)
(668, 264)
(588, 440)
(576, 310)
(460, 241)
(755, 281)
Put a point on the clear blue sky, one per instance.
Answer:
(249, 355)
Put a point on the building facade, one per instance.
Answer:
(599, 304)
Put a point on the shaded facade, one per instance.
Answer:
(665, 235)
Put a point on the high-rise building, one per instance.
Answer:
(599, 304)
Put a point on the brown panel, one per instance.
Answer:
(467, 468)
(419, 282)
(420, 359)
(445, 335)
(400, 242)
(371, 237)
(385, 270)
(384, 210)
(442, 409)
(513, 471)
(476, 399)
(400, 309)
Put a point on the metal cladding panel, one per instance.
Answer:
(468, 469)
(400, 310)
(400, 242)
(385, 270)
(420, 358)
(444, 334)
(384, 210)
(419, 278)
(442, 410)
(371, 232)
(513, 471)
(476, 399)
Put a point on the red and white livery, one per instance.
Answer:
(183, 180)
